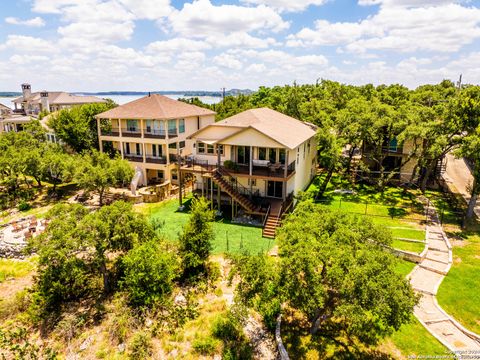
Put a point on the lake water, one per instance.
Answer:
(123, 99)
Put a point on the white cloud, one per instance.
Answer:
(177, 45)
(227, 60)
(34, 22)
(201, 18)
(52, 6)
(27, 59)
(287, 5)
(27, 44)
(407, 3)
(445, 28)
(148, 9)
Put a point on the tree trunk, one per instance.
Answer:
(38, 180)
(325, 183)
(426, 176)
(106, 282)
(100, 196)
(473, 201)
(350, 157)
(316, 322)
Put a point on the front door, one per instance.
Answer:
(275, 189)
(243, 155)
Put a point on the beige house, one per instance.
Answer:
(151, 133)
(32, 103)
(256, 160)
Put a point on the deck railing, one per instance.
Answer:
(131, 133)
(156, 159)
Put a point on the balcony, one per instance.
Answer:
(132, 157)
(131, 132)
(154, 134)
(112, 132)
(156, 159)
(172, 134)
(275, 170)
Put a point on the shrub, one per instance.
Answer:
(230, 165)
(205, 346)
(149, 274)
(141, 346)
(229, 329)
(24, 206)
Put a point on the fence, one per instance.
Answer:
(237, 242)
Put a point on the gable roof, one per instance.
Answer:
(155, 106)
(60, 97)
(279, 127)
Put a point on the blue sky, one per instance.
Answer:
(99, 45)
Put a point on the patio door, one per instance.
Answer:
(243, 155)
(275, 189)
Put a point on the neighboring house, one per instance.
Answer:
(258, 160)
(32, 103)
(14, 123)
(4, 111)
(397, 156)
(151, 132)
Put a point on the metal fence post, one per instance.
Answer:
(226, 237)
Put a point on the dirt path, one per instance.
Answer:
(426, 278)
(262, 341)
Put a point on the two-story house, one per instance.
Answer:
(258, 160)
(33, 103)
(151, 132)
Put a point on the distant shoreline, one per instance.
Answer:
(143, 93)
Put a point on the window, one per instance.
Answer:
(281, 156)
(174, 175)
(181, 144)
(220, 148)
(127, 148)
(154, 150)
(137, 148)
(308, 145)
(149, 126)
(172, 145)
(201, 148)
(132, 125)
(172, 126)
(262, 153)
(272, 155)
(304, 149)
(252, 182)
(160, 174)
(210, 149)
(181, 125)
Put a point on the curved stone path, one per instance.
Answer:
(426, 278)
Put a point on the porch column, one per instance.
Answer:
(165, 126)
(218, 155)
(119, 127)
(141, 128)
(285, 173)
(219, 195)
(250, 169)
(121, 148)
(100, 142)
(143, 153)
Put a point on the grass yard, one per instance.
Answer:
(413, 339)
(458, 294)
(408, 246)
(404, 267)
(229, 238)
(13, 269)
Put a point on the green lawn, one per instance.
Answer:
(408, 246)
(12, 269)
(414, 339)
(458, 294)
(404, 267)
(232, 238)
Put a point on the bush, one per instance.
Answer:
(206, 346)
(149, 274)
(229, 329)
(24, 206)
(141, 346)
(230, 165)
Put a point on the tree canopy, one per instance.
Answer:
(335, 269)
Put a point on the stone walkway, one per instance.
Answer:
(425, 278)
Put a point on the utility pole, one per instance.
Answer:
(223, 94)
(459, 82)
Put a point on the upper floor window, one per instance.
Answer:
(281, 156)
(181, 125)
(201, 148)
(181, 144)
(262, 153)
(210, 149)
(172, 126)
(132, 125)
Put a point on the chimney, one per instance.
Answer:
(27, 91)
(45, 102)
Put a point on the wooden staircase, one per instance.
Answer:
(244, 201)
(270, 227)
